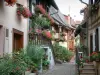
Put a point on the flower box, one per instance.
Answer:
(95, 56)
(25, 12)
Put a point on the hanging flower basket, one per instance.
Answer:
(25, 12)
(47, 34)
(10, 2)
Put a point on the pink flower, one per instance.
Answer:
(48, 34)
(38, 30)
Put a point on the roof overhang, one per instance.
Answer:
(80, 28)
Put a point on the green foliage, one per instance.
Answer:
(83, 48)
(17, 63)
(12, 65)
(35, 53)
(62, 53)
(38, 21)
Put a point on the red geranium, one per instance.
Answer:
(94, 53)
(24, 11)
(10, 2)
(48, 34)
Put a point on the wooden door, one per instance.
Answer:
(17, 40)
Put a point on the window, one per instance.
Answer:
(97, 40)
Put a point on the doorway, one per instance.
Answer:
(91, 44)
(17, 40)
(1, 40)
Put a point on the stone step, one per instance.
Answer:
(91, 64)
(87, 74)
(88, 70)
(88, 66)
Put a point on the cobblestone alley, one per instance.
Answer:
(63, 69)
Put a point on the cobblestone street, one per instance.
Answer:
(63, 69)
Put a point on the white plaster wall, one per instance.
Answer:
(9, 19)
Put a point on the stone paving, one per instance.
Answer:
(62, 69)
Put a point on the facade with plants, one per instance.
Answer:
(89, 31)
(14, 16)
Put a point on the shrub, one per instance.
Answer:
(35, 53)
(12, 65)
(62, 53)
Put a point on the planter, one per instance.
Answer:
(32, 74)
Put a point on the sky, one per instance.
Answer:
(71, 6)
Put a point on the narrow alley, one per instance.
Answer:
(63, 69)
(49, 37)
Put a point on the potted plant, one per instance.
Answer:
(10, 2)
(95, 56)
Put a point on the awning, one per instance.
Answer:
(42, 10)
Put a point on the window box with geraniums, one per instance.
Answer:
(10, 2)
(25, 12)
(95, 56)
